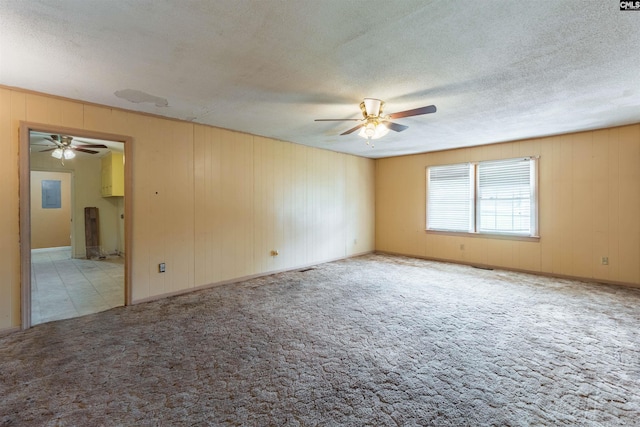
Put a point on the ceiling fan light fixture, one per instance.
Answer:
(381, 130)
(369, 130)
(57, 153)
(69, 154)
(373, 130)
(64, 152)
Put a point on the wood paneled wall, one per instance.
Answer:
(589, 195)
(209, 202)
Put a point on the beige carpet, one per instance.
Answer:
(376, 340)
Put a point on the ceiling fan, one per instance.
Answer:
(65, 147)
(374, 124)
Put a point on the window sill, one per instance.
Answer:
(486, 235)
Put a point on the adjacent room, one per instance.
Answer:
(319, 213)
(77, 226)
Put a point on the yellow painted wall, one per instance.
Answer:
(208, 202)
(86, 193)
(589, 187)
(50, 228)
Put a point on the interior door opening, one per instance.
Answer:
(76, 259)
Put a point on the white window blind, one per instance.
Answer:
(449, 201)
(505, 197)
(491, 197)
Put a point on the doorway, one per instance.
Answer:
(82, 276)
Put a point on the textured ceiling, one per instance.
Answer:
(496, 70)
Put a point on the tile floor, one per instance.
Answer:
(63, 287)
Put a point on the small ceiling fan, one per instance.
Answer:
(65, 141)
(65, 147)
(374, 124)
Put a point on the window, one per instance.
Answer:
(492, 197)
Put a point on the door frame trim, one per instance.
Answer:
(24, 175)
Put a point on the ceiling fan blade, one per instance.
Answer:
(90, 146)
(84, 150)
(415, 112)
(352, 130)
(337, 120)
(48, 149)
(395, 126)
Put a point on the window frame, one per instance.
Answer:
(474, 230)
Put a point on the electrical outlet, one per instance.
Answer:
(605, 260)
(462, 247)
(161, 267)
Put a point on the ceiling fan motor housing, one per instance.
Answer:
(66, 140)
(371, 107)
